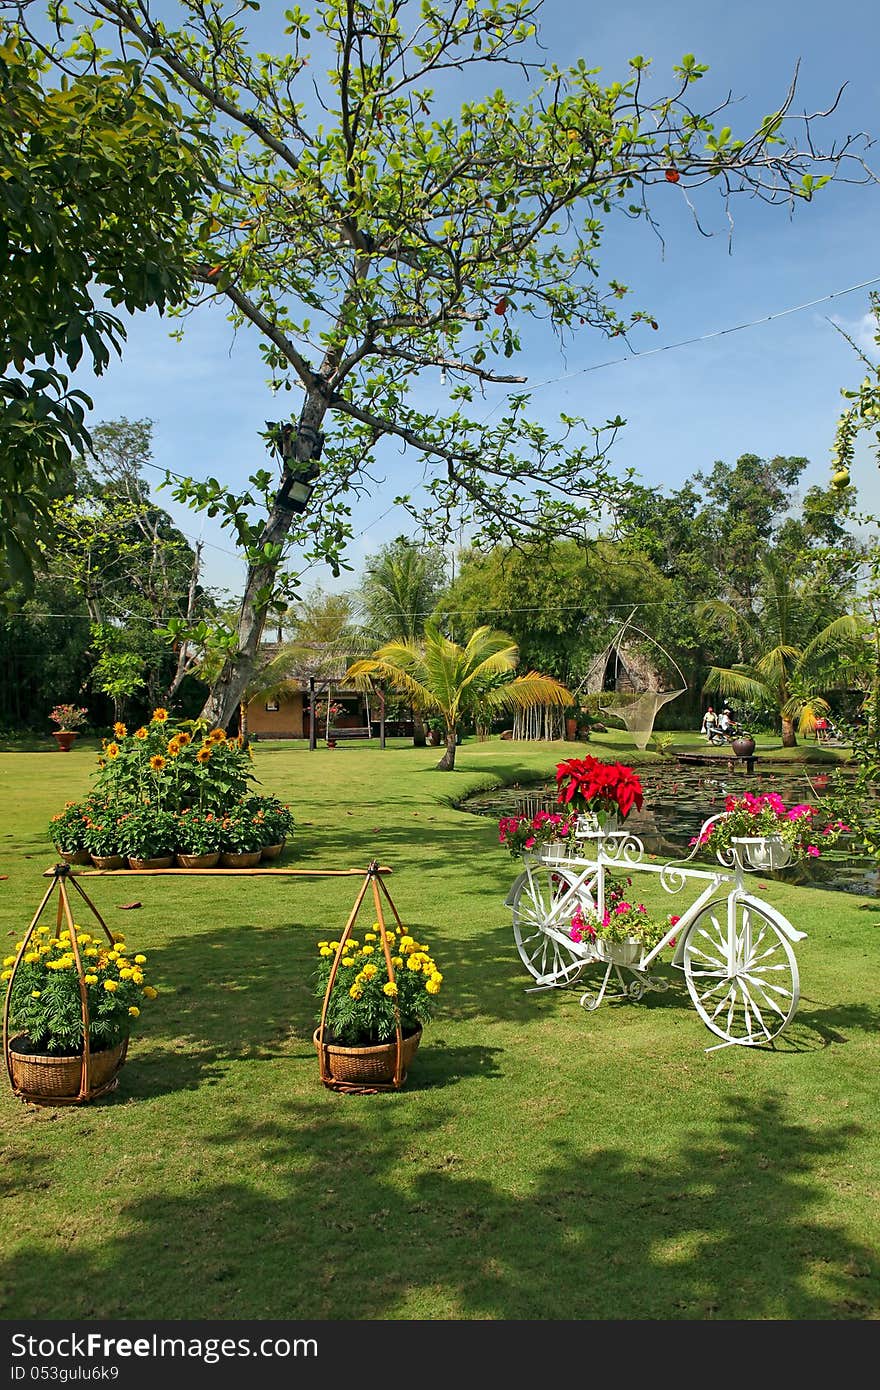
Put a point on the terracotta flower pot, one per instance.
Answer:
(42, 1078)
(65, 738)
(240, 861)
(76, 856)
(272, 851)
(108, 861)
(367, 1065)
(159, 861)
(199, 861)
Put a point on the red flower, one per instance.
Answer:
(590, 785)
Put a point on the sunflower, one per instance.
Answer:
(160, 715)
(141, 732)
(112, 750)
(203, 754)
(183, 739)
(120, 729)
(217, 736)
(157, 762)
(173, 747)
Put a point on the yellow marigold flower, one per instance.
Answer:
(361, 979)
(352, 944)
(7, 975)
(137, 977)
(370, 936)
(134, 1011)
(32, 957)
(111, 985)
(390, 989)
(118, 938)
(90, 979)
(414, 963)
(407, 942)
(112, 750)
(91, 952)
(431, 987)
(323, 943)
(84, 938)
(436, 978)
(157, 762)
(150, 992)
(347, 960)
(113, 955)
(325, 951)
(173, 747)
(125, 974)
(367, 950)
(9, 960)
(160, 715)
(119, 729)
(335, 945)
(183, 739)
(36, 993)
(369, 972)
(42, 931)
(397, 962)
(355, 991)
(141, 732)
(140, 960)
(204, 754)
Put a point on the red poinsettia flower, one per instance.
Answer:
(590, 785)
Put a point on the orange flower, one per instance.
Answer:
(183, 739)
(203, 754)
(112, 750)
(119, 729)
(173, 747)
(217, 736)
(157, 762)
(141, 732)
(160, 715)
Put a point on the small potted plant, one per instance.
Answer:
(360, 1030)
(276, 821)
(622, 933)
(602, 793)
(70, 719)
(199, 836)
(759, 832)
(547, 835)
(45, 1001)
(241, 839)
(101, 839)
(67, 830)
(436, 730)
(148, 837)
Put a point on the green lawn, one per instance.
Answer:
(540, 1163)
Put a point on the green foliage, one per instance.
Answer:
(198, 832)
(146, 833)
(173, 765)
(98, 181)
(364, 1003)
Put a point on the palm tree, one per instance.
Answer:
(450, 681)
(787, 646)
(398, 592)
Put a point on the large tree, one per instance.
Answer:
(370, 231)
(98, 182)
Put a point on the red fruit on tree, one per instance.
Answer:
(672, 176)
(501, 306)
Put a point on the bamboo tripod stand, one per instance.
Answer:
(61, 876)
(373, 880)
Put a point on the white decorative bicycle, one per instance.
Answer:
(734, 948)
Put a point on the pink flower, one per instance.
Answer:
(813, 850)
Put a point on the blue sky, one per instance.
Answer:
(773, 388)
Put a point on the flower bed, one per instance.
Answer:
(169, 789)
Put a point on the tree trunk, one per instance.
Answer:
(447, 762)
(789, 739)
(420, 737)
(242, 719)
(228, 688)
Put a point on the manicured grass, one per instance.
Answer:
(540, 1162)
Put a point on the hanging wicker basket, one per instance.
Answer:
(40, 1077)
(367, 1066)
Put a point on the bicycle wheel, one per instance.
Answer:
(741, 972)
(532, 899)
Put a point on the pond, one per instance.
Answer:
(677, 801)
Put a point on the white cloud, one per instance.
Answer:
(863, 332)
